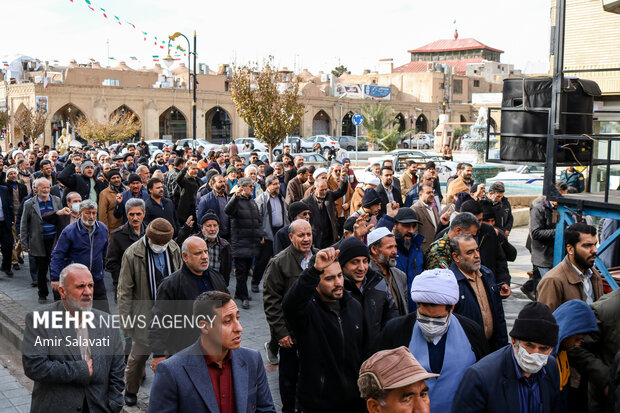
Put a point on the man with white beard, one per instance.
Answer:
(84, 242)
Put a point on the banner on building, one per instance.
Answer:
(377, 92)
(348, 90)
(41, 102)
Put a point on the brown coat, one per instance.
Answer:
(562, 283)
(356, 199)
(407, 181)
(332, 185)
(107, 201)
(426, 228)
(294, 191)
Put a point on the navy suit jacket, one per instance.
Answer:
(183, 384)
(7, 207)
(490, 386)
(468, 304)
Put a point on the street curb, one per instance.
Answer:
(12, 320)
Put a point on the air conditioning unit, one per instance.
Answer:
(612, 6)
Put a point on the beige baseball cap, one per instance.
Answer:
(395, 368)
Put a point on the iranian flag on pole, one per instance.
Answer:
(45, 81)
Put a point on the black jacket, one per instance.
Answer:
(503, 215)
(187, 200)
(492, 253)
(397, 332)
(175, 296)
(78, 183)
(245, 226)
(542, 231)
(330, 346)
(330, 207)
(21, 190)
(384, 198)
(120, 239)
(154, 210)
(377, 304)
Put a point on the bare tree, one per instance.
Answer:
(268, 101)
(118, 128)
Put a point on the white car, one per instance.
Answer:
(525, 174)
(292, 142)
(400, 157)
(208, 146)
(419, 141)
(321, 142)
(257, 145)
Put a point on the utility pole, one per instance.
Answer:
(108, 44)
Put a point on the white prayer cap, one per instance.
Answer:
(318, 172)
(374, 181)
(437, 286)
(377, 234)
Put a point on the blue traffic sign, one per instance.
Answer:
(357, 119)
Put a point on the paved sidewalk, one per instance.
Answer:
(17, 297)
(13, 396)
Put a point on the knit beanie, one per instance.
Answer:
(268, 171)
(370, 198)
(351, 248)
(535, 323)
(488, 211)
(111, 173)
(231, 168)
(159, 231)
(296, 208)
(133, 178)
(209, 216)
(349, 224)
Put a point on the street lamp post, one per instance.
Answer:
(192, 77)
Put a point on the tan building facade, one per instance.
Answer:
(165, 112)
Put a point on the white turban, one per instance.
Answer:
(437, 286)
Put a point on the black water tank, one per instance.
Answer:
(530, 96)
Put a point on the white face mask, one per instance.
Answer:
(75, 207)
(433, 327)
(530, 363)
(158, 249)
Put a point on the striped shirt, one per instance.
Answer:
(49, 230)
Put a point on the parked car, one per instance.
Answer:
(292, 142)
(263, 156)
(525, 174)
(348, 143)
(320, 142)
(418, 141)
(195, 143)
(400, 158)
(315, 159)
(159, 143)
(254, 142)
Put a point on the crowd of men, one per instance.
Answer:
(381, 296)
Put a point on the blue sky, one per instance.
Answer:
(317, 35)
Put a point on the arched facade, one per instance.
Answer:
(65, 118)
(218, 125)
(348, 128)
(121, 111)
(172, 124)
(321, 123)
(421, 124)
(400, 122)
